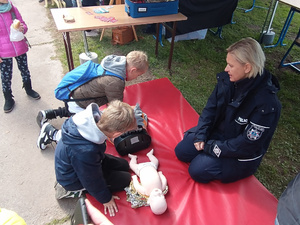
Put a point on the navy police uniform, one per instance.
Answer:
(237, 125)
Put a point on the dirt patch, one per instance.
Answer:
(143, 78)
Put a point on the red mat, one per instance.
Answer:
(240, 203)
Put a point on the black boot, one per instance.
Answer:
(29, 91)
(9, 102)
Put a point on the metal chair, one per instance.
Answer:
(292, 64)
(252, 7)
(59, 3)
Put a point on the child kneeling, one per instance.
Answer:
(80, 160)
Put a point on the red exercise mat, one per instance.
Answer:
(245, 202)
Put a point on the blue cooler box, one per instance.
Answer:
(136, 10)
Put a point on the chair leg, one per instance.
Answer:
(292, 64)
(285, 55)
(218, 32)
(57, 3)
(63, 3)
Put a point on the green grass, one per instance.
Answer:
(59, 221)
(195, 64)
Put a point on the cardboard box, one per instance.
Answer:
(122, 35)
(136, 10)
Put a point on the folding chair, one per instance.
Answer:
(292, 64)
(252, 7)
(59, 3)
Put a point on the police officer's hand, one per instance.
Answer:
(111, 206)
(199, 145)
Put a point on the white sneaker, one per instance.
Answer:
(92, 33)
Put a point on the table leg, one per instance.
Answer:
(68, 48)
(289, 20)
(173, 30)
(172, 45)
(157, 37)
(285, 28)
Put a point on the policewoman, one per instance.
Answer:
(237, 124)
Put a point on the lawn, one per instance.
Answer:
(195, 64)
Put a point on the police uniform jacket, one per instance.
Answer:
(240, 118)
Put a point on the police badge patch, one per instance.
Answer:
(255, 132)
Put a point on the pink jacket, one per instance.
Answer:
(10, 49)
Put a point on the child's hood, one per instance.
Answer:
(115, 64)
(86, 124)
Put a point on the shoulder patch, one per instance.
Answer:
(255, 132)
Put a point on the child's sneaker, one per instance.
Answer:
(46, 136)
(44, 115)
(60, 192)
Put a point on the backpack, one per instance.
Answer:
(77, 77)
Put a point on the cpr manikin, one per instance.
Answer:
(152, 183)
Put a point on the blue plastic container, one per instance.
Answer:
(136, 10)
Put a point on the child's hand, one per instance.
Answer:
(21, 29)
(111, 206)
(1, 60)
(97, 217)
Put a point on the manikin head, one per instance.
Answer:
(157, 202)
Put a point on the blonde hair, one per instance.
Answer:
(137, 59)
(117, 117)
(248, 50)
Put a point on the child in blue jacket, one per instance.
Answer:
(81, 163)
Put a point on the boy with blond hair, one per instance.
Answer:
(80, 160)
(102, 89)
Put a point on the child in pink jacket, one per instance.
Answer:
(10, 49)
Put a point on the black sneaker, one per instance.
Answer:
(46, 136)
